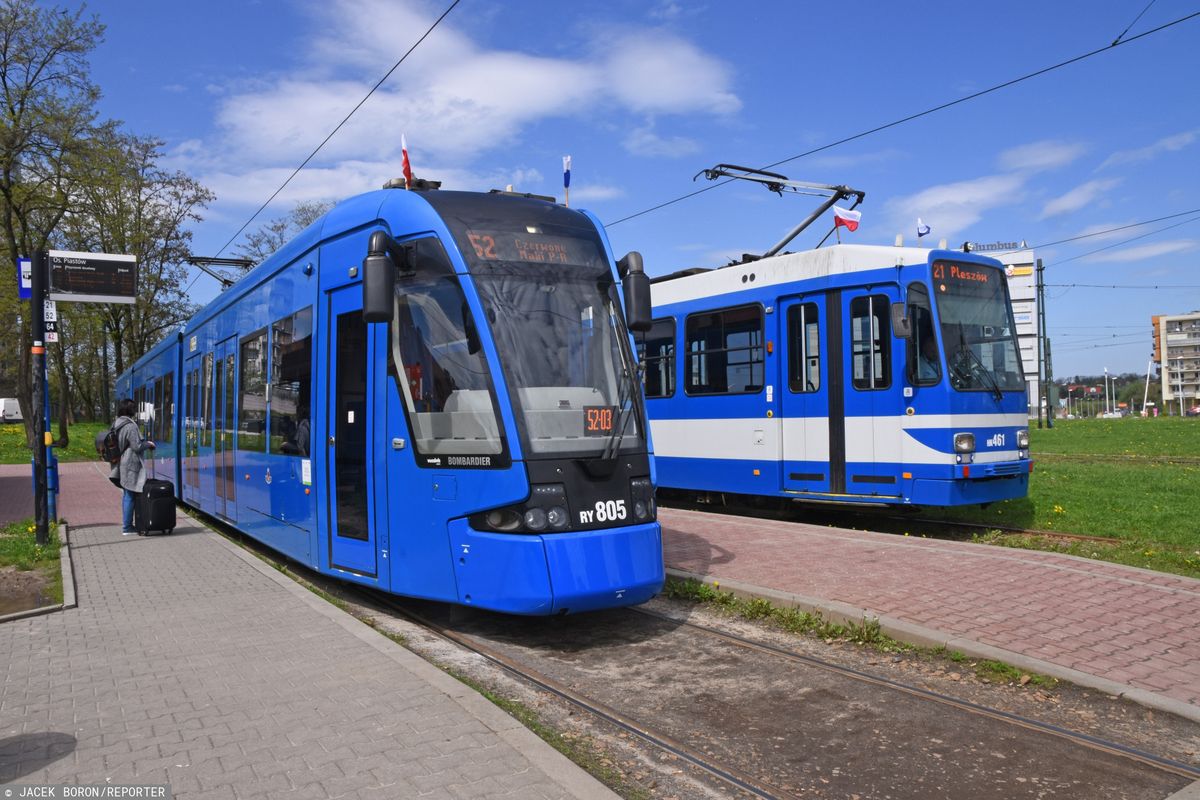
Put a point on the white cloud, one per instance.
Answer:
(454, 100)
(645, 142)
(659, 73)
(1104, 231)
(841, 162)
(1078, 197)
(1145, 251)
(1169, 144)
(951, 208)
(596, 192)
(1043, 155)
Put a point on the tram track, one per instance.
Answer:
(578, 661)
(736, 775)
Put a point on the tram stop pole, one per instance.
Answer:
(37, 380)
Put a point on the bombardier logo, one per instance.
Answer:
(469, 461)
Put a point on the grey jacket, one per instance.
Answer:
(130, 472)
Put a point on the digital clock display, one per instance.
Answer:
(599, 420)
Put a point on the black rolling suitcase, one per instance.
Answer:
(155, 508)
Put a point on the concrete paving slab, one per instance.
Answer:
(190, 662)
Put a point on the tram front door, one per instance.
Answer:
(349, 417)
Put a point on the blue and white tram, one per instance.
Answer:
(432, 393)
(850, 374)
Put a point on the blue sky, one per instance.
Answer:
(645, 94)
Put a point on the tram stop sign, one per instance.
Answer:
(92, 277)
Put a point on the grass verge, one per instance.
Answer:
(19, 548)
(81, 445)
(864, 634)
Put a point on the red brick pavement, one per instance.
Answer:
(85, 497)
(1127, 625)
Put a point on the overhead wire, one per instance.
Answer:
(338, 127)
(1130, 25)
(1119, 42)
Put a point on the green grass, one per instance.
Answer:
(82, 446)
(1108, 477)
(19, 548)
(865, 634)
(1129, 436)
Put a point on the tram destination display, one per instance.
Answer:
(92, 277)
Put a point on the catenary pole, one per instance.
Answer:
(38, 351)
(1041, 332)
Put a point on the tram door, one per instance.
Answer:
(873, 394)
(224, 398)
(348, 419)
(805, 388)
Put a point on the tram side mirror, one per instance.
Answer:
(636, 285)
(384, 256)
(901, 323)
(379, 278)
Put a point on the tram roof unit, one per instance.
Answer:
(839, 259)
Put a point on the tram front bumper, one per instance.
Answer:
(557, 573)
(986, 483)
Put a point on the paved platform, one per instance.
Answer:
(1121, 629)
(189, 662)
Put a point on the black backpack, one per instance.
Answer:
(108, 445)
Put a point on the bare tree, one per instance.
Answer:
(275, 234)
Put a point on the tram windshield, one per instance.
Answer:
(563, 350)
(977, 328)
(550, 301)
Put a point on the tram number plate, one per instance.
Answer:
(598, 420)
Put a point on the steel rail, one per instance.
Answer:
(732, 776)
(1092, 742)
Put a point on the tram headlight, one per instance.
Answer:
(546, 509)
(641, 492)
(1023, 439)
(503, 519)
(557, 517)
(964, 443)
(536, 519)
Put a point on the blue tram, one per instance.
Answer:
(432, 393)
(850, 374)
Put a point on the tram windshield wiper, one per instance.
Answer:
(977, 366)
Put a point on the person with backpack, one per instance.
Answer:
(127, 471)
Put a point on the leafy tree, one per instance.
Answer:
(47, 124)
(132, 206)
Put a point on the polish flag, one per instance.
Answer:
(407, 168)
(846, 218)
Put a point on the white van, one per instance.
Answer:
(10, 410)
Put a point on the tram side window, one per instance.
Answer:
(291, 384)
(166, 434)
(206, 402)
(869, 332)
(155, 428)
(725, 351)
(924, 364)
(656, 351)
(438, 362)
(804, 348)
(252, 402)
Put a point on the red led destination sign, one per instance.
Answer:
(92, 277)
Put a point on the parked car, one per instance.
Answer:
(10, 410)
(1194, 411)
